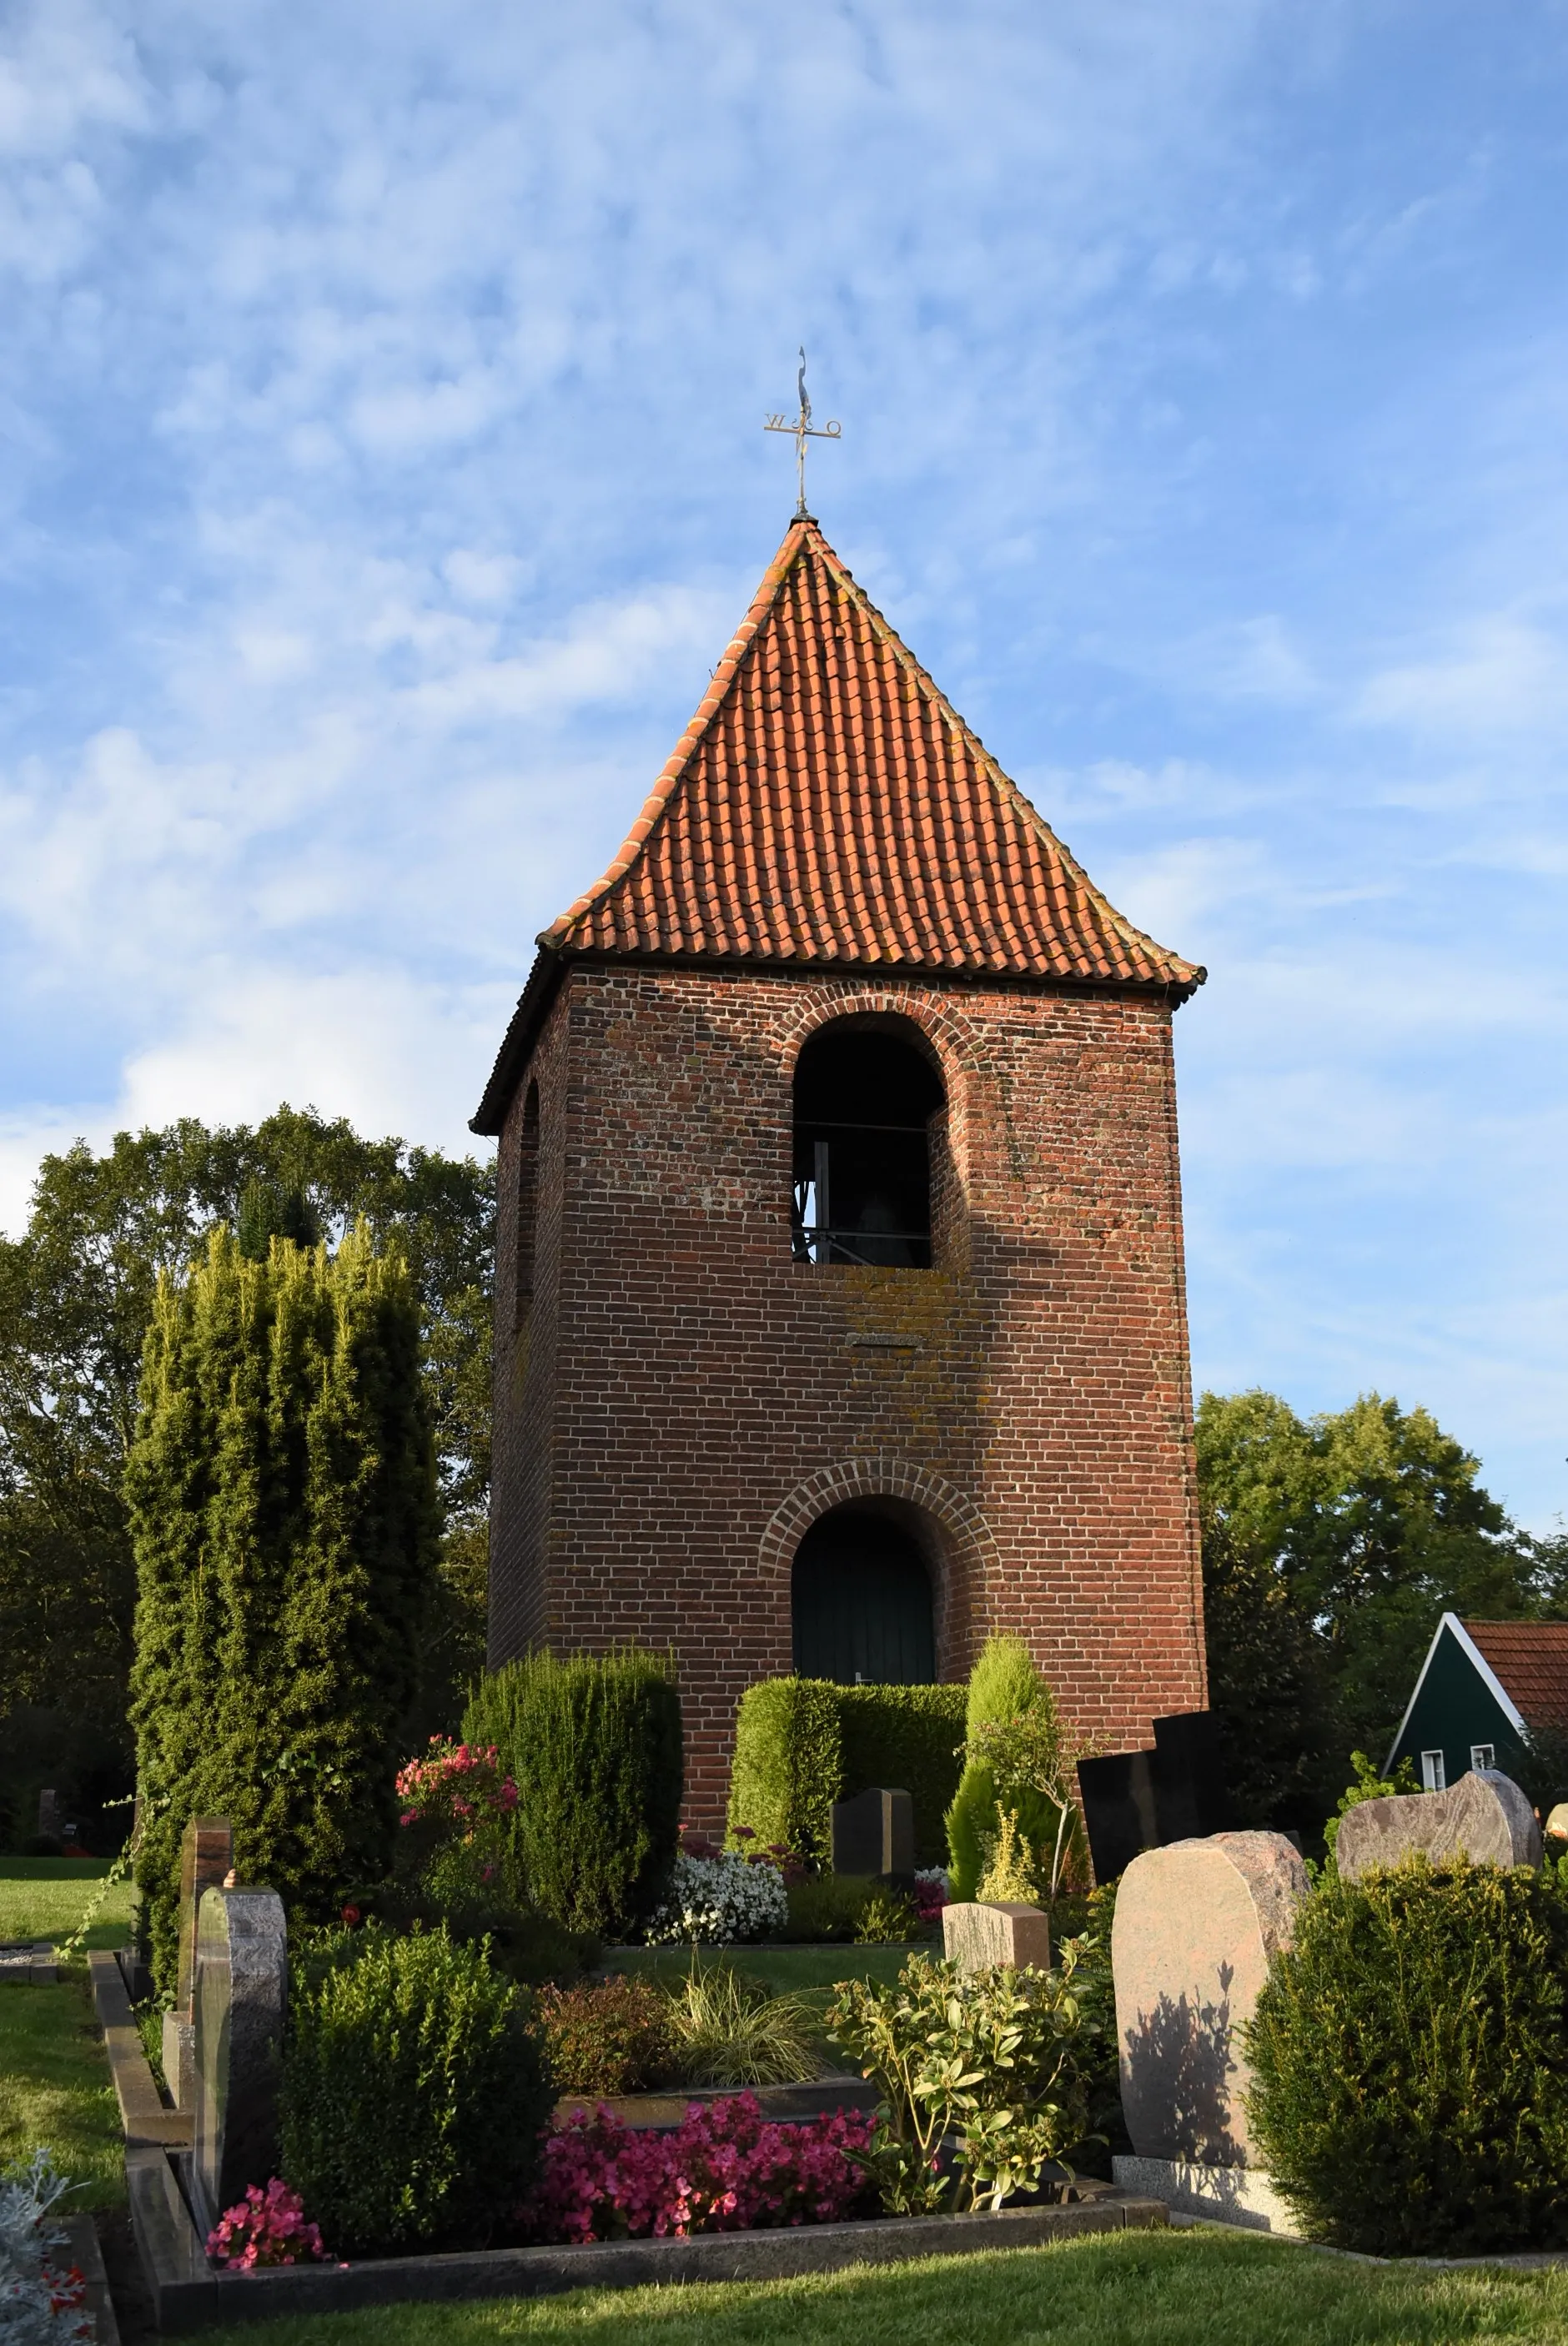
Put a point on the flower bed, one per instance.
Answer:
(725, 2169)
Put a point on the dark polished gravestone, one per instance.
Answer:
(873, 1834)
(241, 1991)
(1134, 1800)
(206, 1855)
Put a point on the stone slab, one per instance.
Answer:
(242, 1994)
(179, 2057)
(979, 1935)
(145, 2116)
(188, 2296)
(1196, 1925)
(29, 1964)
(780, 2105)
(873, 1834)
(1230, 2195)
(1484, 1817)
(82, 2250)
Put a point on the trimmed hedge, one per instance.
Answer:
(800, 1744)
(413, 2094)
(1410, 2063)
(594, 1745)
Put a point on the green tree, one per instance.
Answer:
(76, 1292)
(281, 1489)
(1332, 1544)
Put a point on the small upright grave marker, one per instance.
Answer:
(874, 1834)
(1484, 1817)
(977, 1937)
(241, 1988)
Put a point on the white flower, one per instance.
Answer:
(720, 1900)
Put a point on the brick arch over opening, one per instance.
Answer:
(967, 1560)
(948, 1030)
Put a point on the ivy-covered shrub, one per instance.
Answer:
(606, 2037)
(1410, 2063)
(281, 1488)
(594, 1745)
(801, 1744)
(412, 2092)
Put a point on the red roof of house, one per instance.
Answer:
(1531, 1658)
(828, 806)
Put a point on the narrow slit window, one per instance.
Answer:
(1434, 1771)
(864, 1099)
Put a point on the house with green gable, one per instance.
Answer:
(1484, 1686)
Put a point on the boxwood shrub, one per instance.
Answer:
(413, 2094)
(594, 1744)
(801, 1744)
(1410, 2063)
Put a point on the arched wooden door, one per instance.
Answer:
(862, 1602)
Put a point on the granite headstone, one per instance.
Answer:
(977, 1937)
(241, 1992)
(1484, 1817)
(1194, 1927)
(874, 1834)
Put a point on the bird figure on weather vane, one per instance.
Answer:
(802, 429)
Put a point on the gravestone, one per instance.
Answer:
(1484, 1817)
(1196, 1925)
(50, 1817)
(1134, 1800)
(976, 1937)
(241, 1989)
(874, 1834)
(206, 1855)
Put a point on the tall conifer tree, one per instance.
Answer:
(282, 1496)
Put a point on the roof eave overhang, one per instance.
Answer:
(551, 963)
(517, 1047)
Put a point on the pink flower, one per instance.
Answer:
(265, 2228)
(725, 2169)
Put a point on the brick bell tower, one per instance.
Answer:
(839, 1300)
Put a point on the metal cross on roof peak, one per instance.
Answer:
(802, 429)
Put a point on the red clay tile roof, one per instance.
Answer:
(826, 804)
(1531, 1658)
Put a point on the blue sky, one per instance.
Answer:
(381, 473)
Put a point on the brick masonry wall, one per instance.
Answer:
(679, 1399)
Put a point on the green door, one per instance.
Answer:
(862, 1601)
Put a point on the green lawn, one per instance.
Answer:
(55, 2086)
(44, 1897)
(782, 1970)
(1138, 2288)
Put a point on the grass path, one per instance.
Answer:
(1171, 2289)
(55, 2086)
(44, 1898)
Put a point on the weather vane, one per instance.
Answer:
(803, 429)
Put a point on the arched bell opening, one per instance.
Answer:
(865, 1096)
(861, 1599)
